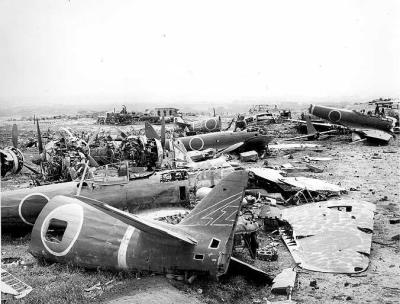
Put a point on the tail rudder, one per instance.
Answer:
(215, 218)
(310, 127)
(220, 207)
(150, 132)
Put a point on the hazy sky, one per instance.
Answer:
(199, 50)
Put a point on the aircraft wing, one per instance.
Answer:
(374, 134)
(338, 239)
(181, 123)
(319, 123)
(146, 225)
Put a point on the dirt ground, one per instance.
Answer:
(370, 173)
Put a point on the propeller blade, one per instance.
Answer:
(40, 143)
(214, 111)
(14, 135)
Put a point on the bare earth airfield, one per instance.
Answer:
(368, 173)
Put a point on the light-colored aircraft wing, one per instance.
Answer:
(332, 236)
(375, 134)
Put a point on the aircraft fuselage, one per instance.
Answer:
(351, 119)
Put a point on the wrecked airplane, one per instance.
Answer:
(73, 229)
(121, 187)
(221, 141)
(207, 125)
(363, 126)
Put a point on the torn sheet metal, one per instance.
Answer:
(312, 184)
(268, 174)
(332, 236)
(284, 280)
(296, 183)
(310, 158)
(249, 156)
(289, 168)
(11, 285)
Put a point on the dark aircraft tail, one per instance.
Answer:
(310, 127)
(216, 215)
(220, 207)
(150, 132)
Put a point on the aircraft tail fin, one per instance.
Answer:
(150, 132)
(310, 127)
(215, 217)
(220, 207)
(181, 152)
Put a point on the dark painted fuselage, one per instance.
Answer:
(223, 140)
(351, 119)
(80, 231)
(20, 208)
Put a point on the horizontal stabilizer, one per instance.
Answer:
(148, 226)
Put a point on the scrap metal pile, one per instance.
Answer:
(95, 215)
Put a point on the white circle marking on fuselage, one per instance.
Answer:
(190, 143)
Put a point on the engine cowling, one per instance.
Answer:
(12, 160)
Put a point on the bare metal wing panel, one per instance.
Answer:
(332, 236)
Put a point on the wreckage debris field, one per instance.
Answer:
(369, 173)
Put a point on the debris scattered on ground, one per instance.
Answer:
(268, 253)
(14, 286)
(250, 156)
(309, 158)
(284, 282)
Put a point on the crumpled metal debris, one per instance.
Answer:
(284, 280)
(295, 190)
(268, 252)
